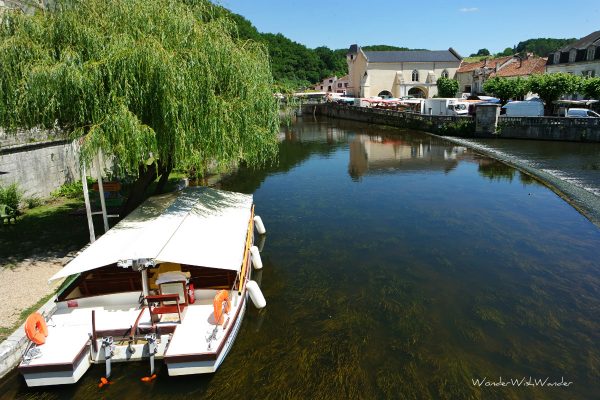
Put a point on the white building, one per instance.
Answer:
(333, 84)
(398, 73)
(579, 58)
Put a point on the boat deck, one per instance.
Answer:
(192, 337)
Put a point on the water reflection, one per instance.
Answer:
(432, 267)
(377, 154)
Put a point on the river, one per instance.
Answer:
(399, 265)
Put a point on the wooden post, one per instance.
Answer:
(101, 190)
(88, 207)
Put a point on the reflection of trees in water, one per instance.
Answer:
(495, 170)
(528, 179)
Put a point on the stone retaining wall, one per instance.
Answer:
(538, 128)
(39, 168)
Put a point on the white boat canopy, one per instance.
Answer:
(197, 226)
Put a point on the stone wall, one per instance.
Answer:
(550, 128)
(443, 125)
(39, 168)
(537, 128)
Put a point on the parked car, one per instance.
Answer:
(524, 109)
(581, 113)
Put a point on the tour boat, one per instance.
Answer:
(170, 281)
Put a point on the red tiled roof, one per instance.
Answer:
(529, 66)
(490, 63)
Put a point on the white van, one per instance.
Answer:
(440, 106)
(581, 113)
(524, 109)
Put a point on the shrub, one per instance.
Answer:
(33, 202)
(71, 190)
(11, 195)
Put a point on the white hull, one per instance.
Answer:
(204, 367)
(58, 377)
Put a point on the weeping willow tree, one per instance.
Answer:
(154, 85)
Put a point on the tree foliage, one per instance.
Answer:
(550, 87)
(149, 83)
(481, 52)
(447, 87)
(591, 88)
(509, 51)
(542, 46)
(505, 88)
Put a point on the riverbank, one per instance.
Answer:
(584, 201)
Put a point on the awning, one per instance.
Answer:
(197, 226)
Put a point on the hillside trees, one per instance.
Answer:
(542, 46)
(154, 85)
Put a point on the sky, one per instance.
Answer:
(465, 25)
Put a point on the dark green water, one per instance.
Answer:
(398, 267)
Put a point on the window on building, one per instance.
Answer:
(467, 88)
(572, 55)
(321, 87)
(557, 57)
(445, 74)
(415, 76)
(346, 84)
(591, 53)
(339, 85)
(331, 81)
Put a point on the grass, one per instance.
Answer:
(52, 228)
(6, 332)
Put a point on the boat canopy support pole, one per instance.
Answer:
(101, 190)
(88, 207)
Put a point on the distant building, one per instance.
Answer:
(472, 76)
(398, 73)
(333, 84)
(326, 85)
(579, 58)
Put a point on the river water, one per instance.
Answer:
(399, 266)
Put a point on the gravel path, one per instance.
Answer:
(25, 282)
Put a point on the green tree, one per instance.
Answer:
(505, 88)
(550, 87)
(506, 52)
(154, 85)
(447, 87)
(481, 52)
(591, 88)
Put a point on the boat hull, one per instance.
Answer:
(65, 376)
(177, 368)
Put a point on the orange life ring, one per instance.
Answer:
(221, 297)
(36, 328)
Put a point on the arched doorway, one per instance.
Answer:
(417, 92)
(385, 94)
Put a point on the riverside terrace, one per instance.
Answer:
(492, 125)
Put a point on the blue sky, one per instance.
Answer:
(466, 25)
